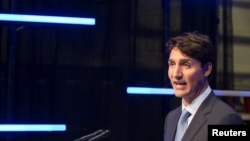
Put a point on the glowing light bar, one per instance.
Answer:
(168, 91)
(32, 127)
(232, 93)
(47, 19)
(144, 90)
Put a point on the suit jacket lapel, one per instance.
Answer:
(174, 123)
(199, 118)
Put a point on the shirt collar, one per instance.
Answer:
(195, 104)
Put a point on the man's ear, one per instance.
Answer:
(207, 69)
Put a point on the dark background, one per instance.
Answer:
(77, 75)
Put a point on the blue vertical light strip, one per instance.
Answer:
(46, 19)
(169, 91)
(32, 127)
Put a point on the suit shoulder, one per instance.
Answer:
(222, 106)
(225, 113)
(173, 113)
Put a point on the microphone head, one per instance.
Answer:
(106, 131)
(99, 131)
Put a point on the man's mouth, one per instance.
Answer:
(179, 85)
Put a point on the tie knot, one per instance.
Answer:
(185, 114)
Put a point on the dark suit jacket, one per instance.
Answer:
(212, 111)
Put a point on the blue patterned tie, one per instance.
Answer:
(182, 125)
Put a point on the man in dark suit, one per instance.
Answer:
(191, 58)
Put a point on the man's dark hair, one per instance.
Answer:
(194, 45)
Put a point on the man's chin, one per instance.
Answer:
(180, 94)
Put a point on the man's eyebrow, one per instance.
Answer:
(181, 60)
(186, 60)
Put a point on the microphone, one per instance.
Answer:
(83, 138)
(102, 135)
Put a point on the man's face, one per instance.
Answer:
(186, 75)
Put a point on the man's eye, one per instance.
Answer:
(187, 65)
(170, 63)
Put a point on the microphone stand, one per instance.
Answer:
(92, 135)
(101, 135)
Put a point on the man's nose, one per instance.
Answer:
(177, 72)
